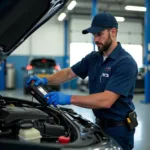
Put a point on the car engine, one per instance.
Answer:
(56, 125)
(52, 123)
(13, 118)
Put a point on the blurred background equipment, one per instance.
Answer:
(139, 87)
(83, 84)
(10, 76)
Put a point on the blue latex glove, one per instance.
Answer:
(38, 81)
(58, 98)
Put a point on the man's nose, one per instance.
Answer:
(96, 39)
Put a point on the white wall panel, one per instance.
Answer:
(129, 32)
(127, 38)
(132, 27)
(47, 40)
(123, 38)
(79, 37)
(23, 49)
(78, 24)
(135, 39)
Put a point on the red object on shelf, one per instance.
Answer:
(63, 139)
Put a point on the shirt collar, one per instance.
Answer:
(115, 53)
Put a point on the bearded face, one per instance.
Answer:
(104, 47)
(103, 41)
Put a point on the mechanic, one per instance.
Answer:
(112, 74)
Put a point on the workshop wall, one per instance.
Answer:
(129, 32)
(47, 41)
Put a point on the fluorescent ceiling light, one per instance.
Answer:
(135, 8)
(120, 19)
(72, 5)
(61, 16)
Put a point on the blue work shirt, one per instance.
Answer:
(116, 74)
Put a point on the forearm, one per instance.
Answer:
(90, 101)
(60, 77)
(94, 101)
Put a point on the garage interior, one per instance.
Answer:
(63, 41)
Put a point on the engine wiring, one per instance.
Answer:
(69, 130)
(57, 121)
(49, 136)
(68, 133)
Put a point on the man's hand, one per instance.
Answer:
(38, 81)
(58, 98)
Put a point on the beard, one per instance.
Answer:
(106, 45)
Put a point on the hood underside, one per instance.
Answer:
(20, 18)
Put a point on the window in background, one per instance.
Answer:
(136, 51)
(80, 50)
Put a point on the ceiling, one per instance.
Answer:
(116, 7)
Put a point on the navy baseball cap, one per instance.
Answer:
(100, 22)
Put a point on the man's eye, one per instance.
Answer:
(98, 34)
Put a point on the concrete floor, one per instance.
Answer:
(142, 135)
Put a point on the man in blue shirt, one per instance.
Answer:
(112, 74)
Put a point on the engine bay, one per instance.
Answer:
(28, 121)
(14, 118)
(56, 125)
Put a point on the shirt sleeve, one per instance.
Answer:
(123, 78)
(81, 68)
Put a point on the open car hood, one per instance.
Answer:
(20, 18)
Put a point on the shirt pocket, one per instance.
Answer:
(104, 77)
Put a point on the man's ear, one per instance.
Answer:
(113, 33)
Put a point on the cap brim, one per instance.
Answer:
(93, 30)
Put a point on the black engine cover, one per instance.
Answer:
(10, 114)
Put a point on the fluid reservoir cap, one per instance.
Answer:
(63, 139)
(26, 125)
